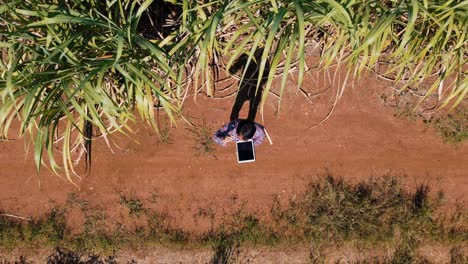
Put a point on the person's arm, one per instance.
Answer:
(223, 135)
(259, 135)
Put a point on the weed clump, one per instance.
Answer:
(453, 127)
(420, 198)
(202, 138)
(226, 250)
(134, 205)
(53, 228)
(371, 210)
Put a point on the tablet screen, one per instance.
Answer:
(245, 151)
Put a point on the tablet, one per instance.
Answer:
(245, 151)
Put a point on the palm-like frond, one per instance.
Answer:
(418, 39)
(73, 64)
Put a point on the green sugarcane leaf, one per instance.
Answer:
(58, 19)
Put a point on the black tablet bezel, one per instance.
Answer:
(253, 151)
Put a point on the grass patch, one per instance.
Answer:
(453, 127)
(226, 250)
(134, 205)
(374, 213)
(201, 135)
(165, 135)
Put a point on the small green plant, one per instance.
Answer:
(405, 252)
(453, 127)
(134, 205)
(53, 227)
(226, 250)
(165, 135)
(94, 221)
(164, 129)
(74, 200)
(420, 198)
(10, 232)
(202, 138)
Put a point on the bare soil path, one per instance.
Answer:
(360, 139)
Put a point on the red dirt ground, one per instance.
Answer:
(360, 139)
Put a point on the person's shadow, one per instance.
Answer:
(248, 86)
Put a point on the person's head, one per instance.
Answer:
(246, 129)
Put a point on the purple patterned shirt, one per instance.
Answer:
(229, 129)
